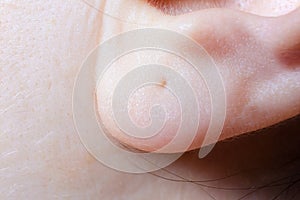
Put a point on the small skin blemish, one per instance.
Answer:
(163, 83)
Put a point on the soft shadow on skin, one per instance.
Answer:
(264, 165)
(260, 165)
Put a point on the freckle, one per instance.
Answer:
(163, 83)
(90, 159)
(53, 22)
(49, 85)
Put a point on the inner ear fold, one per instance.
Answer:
(287, 39)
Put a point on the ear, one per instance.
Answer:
(258, 59)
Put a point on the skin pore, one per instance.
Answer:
(42, 47)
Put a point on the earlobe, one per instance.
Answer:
(248, 51)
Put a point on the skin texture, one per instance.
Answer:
(251, 81)
(42, 45)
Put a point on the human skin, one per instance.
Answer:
(42, 47)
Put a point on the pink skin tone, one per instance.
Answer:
(42, 47)
(236, 40)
